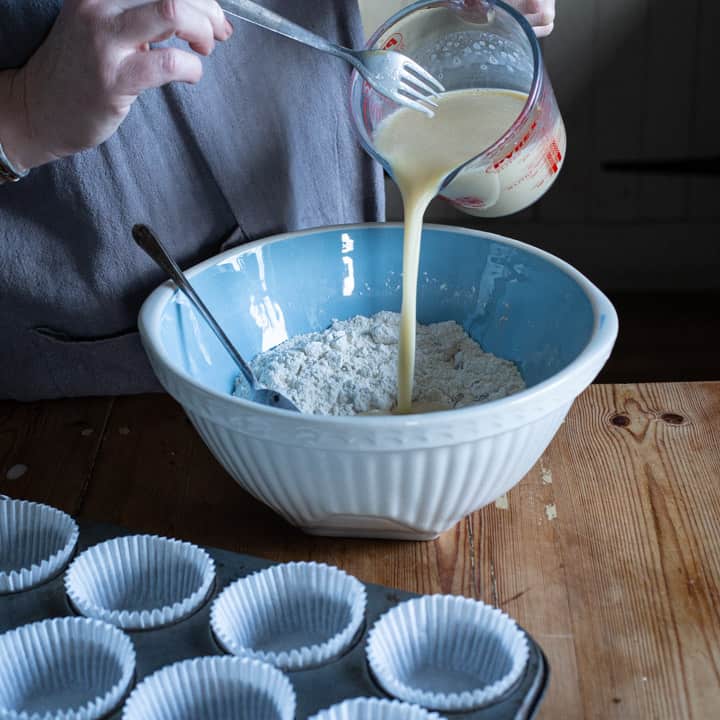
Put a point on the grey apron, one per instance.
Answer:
(263, 144)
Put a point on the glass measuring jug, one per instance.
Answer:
(476, 45)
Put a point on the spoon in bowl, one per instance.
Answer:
(146, 239)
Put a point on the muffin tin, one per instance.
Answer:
(330, 679)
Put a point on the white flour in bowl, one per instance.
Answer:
(351, 368)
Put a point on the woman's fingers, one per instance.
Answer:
(156, 21)
(221, 26)
(153, 68)
(97, 57)
(544, 30)
(539, 13)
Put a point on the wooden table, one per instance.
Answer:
(608, 551)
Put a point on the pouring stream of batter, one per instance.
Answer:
(422, 152)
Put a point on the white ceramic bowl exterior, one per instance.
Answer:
(408, 477)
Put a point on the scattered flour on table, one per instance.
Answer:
(351, 368)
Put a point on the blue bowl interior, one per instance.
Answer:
(514, 303)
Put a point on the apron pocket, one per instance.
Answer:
(113, 364)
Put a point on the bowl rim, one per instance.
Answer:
(602, 338)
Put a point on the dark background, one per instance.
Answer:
(637, 205)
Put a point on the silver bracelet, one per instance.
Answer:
(7, 172)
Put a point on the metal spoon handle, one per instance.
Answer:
(145, 238)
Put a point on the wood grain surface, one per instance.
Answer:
(608, 551)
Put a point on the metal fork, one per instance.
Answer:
(391, 73)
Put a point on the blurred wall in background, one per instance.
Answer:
(637, 81)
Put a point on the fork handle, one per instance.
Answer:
(258, 15)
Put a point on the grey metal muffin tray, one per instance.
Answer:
(317, 688)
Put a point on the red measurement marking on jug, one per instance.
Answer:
(518, 146)
(553, 156)
(395, 41)
(468, 201)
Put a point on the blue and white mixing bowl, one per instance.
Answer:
(409, 476)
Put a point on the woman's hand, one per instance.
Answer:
(79, 85)
(539, 13)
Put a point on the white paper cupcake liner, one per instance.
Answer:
(213, 688)
(293, 616)
(375, 709)
(446, 652)
(36, 542)
(140, 582)
(64, 669)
